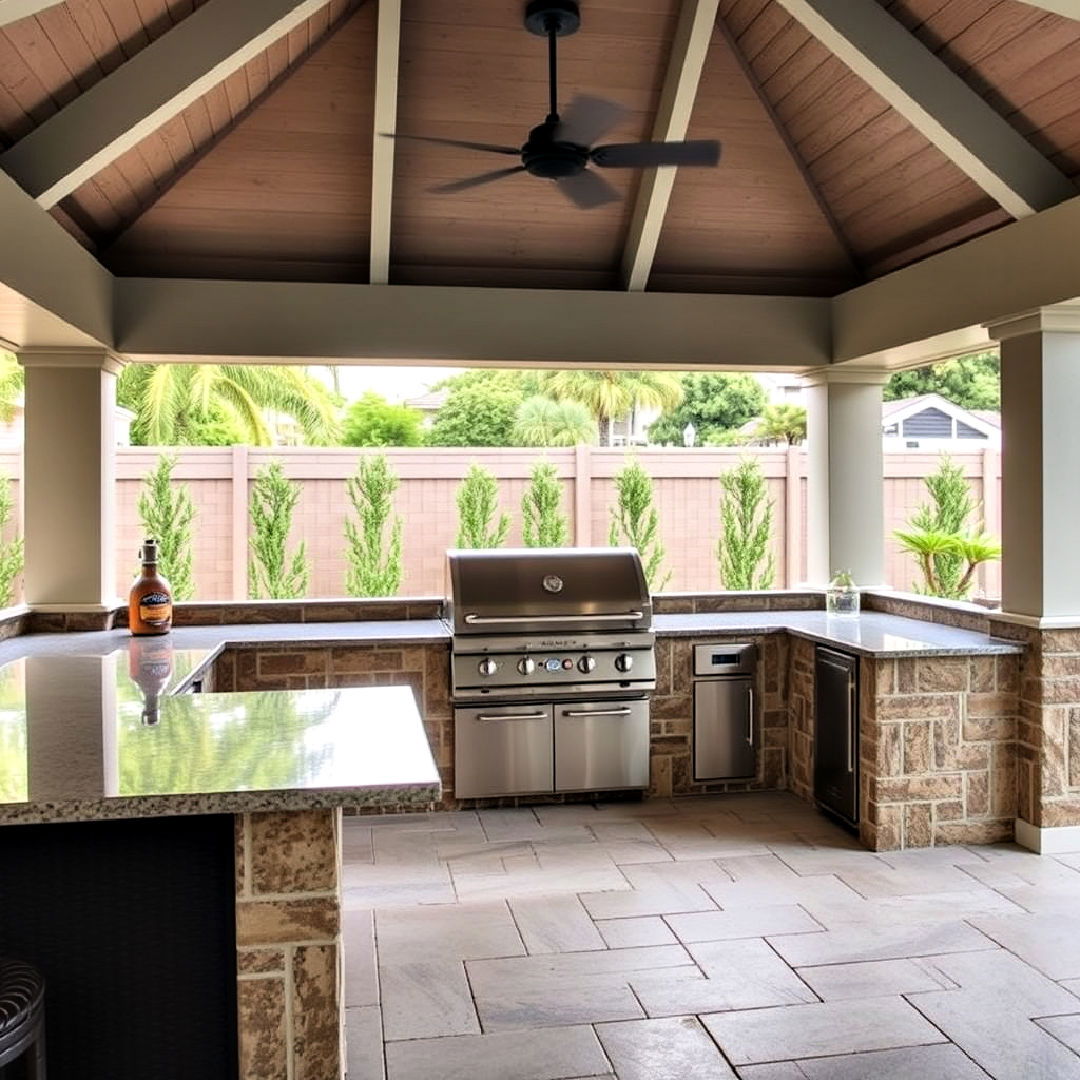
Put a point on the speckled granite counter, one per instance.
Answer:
(75, 743)
(871, 634)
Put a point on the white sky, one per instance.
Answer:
(394, 383)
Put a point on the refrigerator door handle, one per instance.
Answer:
(750, 715)
(852, 720)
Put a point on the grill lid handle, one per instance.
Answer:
(473, 619)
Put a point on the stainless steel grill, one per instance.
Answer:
(552, 660)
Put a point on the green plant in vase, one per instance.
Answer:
(842, 595)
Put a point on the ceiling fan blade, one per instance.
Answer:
(460, 143)
(587, 190)
(587, 119)
(649, 154)
(475, 181)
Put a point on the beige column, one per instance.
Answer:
(69, 474)
(1040, 462)
(845, 485)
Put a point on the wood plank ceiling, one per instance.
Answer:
(821, 185)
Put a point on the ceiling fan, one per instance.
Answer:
(562, 147)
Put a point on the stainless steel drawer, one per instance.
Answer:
(503, 750)
(601, 745)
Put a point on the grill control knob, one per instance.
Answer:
(587, 664)
(624, 662)
(526, 665)
(488, 666)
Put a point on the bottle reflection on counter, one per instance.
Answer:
(150, 665)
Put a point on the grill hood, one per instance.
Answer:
(540, 590)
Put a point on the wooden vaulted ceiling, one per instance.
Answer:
(268, 175)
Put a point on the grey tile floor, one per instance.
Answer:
(736, 936)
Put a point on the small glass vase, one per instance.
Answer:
(842, 597)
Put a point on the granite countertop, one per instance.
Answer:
(92, 727)
(871, 633)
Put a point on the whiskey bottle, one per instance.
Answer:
(150, 600)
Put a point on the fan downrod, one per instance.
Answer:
(544, 16)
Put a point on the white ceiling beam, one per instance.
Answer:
(52, 290)
(14, 10)
(689, 48)
(1068, 9)
(1020, 267)
(388, 41)
(935, 101)
(146, 91)
(301, 322)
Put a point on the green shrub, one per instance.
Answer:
(272, 574)
(374, 554)
(478, 503)
(167, 514)
(746, 518)
(636, 523)
(543, 524)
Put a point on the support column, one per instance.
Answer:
(1040, 506)
(1040, 577)
(845, 477)
(70, 478)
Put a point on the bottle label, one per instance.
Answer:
(155, 608)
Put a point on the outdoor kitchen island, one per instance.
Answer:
(171, 861)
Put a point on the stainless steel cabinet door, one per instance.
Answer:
(724, 740)
(503, 750)
(601, 745)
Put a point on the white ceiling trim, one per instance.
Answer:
(1069, 9)
(14, 10)
(688, 52)
(145, 92)
(388, 45)
(935, 101)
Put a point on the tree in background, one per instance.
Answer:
(272, 575)
(940, 536)
(374, 554)
(746, 520)
(613, 395)
(373, 421)
(636, 523)
(543, 422)
(167, 513)
(478, 503)
(714, 402)
(11, 551)
(972, 381)
(174, 403)
(477, 415)
(543, 524)
(784, 423)
(11, 385)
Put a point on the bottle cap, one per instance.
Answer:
(149, 551)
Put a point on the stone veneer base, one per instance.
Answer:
(1053, 841)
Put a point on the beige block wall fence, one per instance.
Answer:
(686, 484)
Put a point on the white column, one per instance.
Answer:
(845, 483)
(69, 478)
(1040, 462)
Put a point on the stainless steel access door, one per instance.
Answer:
(503, 750)
(724, 741)
(601, 745)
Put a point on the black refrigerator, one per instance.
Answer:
(836, 733)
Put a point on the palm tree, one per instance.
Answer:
(174, 402)
(782, 423)
(611, 395)
(544, 422)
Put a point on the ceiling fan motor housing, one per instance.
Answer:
(544, 155)
(543, 16)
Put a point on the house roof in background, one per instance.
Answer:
(897, 411)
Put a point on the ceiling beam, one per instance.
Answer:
(689, 48)
(146, 91)
(52, 290)
(935, 101)
(303, 322)
(388, 41)
(1026, 265)
(1068, 9)
(14, 10)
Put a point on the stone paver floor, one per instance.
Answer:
(736, 936)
